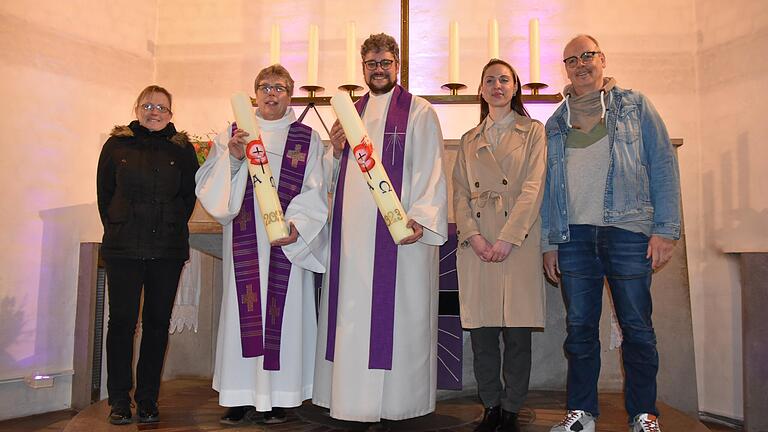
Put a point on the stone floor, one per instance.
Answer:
(191, 405)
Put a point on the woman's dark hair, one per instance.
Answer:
(517, 100)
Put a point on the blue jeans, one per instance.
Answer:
(594, 253)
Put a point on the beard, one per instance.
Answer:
(380, 88)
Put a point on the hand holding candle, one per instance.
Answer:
(258, 167)
(376, 177)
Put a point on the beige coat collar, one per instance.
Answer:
(476, 143)
(475, 135)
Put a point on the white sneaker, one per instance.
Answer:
(645, 423)
(575, 421)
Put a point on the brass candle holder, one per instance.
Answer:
(535, 87)
(453, 88)
(351, 89)
(312, 90)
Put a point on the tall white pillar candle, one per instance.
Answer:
(274, 45)
(351, 69)
(258, 167)
(453, 52)
(312, 58)
(533, 40)
(493, 38)
(372, 170)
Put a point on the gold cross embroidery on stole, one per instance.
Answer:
(249, 298)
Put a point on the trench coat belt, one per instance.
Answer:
(483, 198)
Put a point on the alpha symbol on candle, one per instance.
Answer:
(256, 179)
(364, 155)
(249, 298)
(256, 153)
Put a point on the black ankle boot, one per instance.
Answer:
(380, 426)
(509, 422)
(490, 422)
(238, 415)
(275, 416)
(147, 411)
(120, 413)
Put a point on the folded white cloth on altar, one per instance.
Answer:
(187, 303)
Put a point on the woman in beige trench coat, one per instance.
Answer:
(498, 182)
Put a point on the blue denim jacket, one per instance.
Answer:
(643, 182)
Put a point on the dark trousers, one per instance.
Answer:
(126, 277)
(592, 254)
(488, 365)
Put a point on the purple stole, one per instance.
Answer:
(385, 255)
(245, 254)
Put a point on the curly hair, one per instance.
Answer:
(378, 43)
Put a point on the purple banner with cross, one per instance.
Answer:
(450, 338)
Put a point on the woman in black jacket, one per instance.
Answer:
(146, 194)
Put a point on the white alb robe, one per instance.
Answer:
(346, 385)
(221, 184)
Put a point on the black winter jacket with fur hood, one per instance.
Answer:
(146, 192)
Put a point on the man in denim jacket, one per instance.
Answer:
(611, 210)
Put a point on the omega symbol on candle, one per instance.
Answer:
(256, 153)
(364, 155)
(385, 187)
